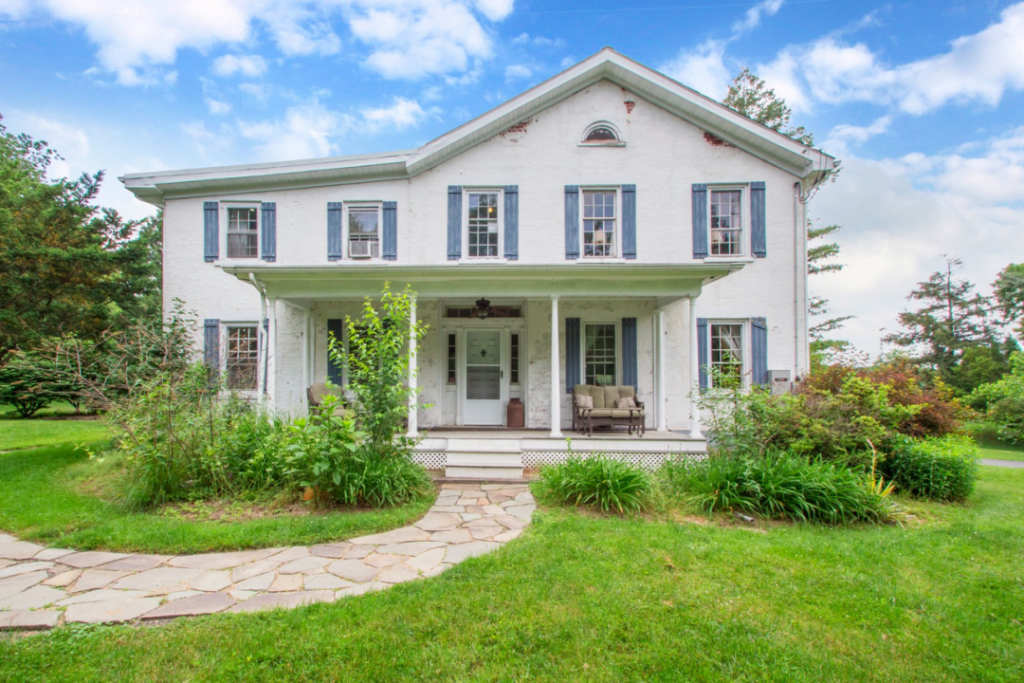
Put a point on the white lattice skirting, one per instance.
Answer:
(438, 460)
(432, 460)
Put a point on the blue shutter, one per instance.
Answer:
(333, 231)
(758, 226)
(629, 221)
(572, 222)
(390, 250)
(759, 351)
(269, 227)
(572, 354)
(702, 351)
(211, 345)
(629, 372)
(334, 328)
(512, 222)
(211, 239)
(454, 222)
(700, 220)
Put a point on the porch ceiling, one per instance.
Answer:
(667, 282)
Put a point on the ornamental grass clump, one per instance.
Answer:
(941, 469)
(597, 481)
(781, 485)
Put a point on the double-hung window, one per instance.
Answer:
(243, 232)
(484, 225)
(600, 223)
(727, 350)
(726, 221)
(364, 231)
(599, 354)
(242, 358)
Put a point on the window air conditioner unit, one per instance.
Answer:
(359, 249)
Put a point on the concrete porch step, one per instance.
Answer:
(484, 465)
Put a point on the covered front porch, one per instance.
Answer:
(504, 333)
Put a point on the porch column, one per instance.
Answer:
(413, 417)
(271, 352)
(695, 428)
(660, 349)
(556, 392)
(306, 380)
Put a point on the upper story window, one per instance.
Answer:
(727, 350)
(243, 232)
(484, 221)
(726, 221)
(602, 134)
(364, 231)
(600, 223)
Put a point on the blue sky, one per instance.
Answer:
(920, 100)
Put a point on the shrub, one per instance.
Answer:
(781, 485)
(1005, 401)
(939, 413)
(937, 468)
(30, 381)
(599, 481)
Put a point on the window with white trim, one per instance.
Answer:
(726, 221)
(602, 134)
(364, 231)
(600, 223)
(727, 355)
(600, 355)
(484, 224)
(241, 364)
(243, 232)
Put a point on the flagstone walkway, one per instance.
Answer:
(41, 588)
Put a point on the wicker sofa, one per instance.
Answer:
(605, 413)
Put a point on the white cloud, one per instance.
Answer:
(306, 131)
(752, 19)
(217, 107)
(252, 66)
(901, 216)
(138, 42)
(702, 68)
(401, 114)
(538, 41)
(256, 91)
(977, 68)
(517, 72)
(841, 136)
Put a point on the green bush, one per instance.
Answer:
(599, 481)
(30, 381)
(780, 485)
(937, 468)
(1005, 401)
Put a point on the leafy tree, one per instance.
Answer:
(750, 96)
(952, 329)
(66, 266)
(1009, 293)
(378, 363)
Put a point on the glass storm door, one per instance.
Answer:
(482, 404)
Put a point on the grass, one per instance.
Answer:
(17, 432)
(49, 495)
(603, 598)
(1002, 452)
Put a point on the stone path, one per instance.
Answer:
(1016, 464)
(45, 587)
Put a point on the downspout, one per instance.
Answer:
(799, 271)
(263, 335)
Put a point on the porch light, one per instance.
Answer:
(483, 308)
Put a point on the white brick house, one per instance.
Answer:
(641, 229)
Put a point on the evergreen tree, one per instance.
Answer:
(1009, 293)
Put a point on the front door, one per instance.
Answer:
(482, 404)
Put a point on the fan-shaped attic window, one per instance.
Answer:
(602, 134)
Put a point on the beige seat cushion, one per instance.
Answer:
(320, 390)
(612, 412)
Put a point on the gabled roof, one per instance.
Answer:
(806, 163)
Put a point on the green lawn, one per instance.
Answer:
(17, 432)
(48, 495)
(1002, 452)
(583, 597)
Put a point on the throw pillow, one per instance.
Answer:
(584, 402)
(626, 403)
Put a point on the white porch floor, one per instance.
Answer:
(505, 453)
